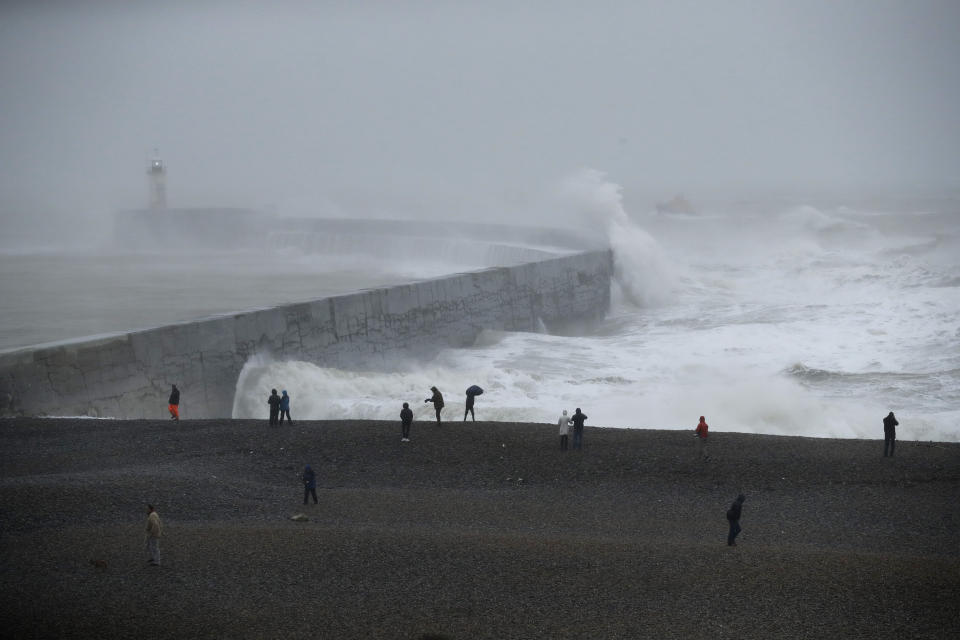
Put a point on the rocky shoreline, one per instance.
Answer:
(472, 530)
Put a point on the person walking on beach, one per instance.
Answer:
(701, 434)
(578, 420)
(154, 531)
(733, 517)
(564, 423)
(889, 434)
(309, 484)
(472, 392)
(274, 402)
(406, 421)
(437, 400)
(173, 404)
(285, 407)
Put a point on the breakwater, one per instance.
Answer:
(128, 375)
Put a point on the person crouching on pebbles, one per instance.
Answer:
(437, 400)
(406, 420)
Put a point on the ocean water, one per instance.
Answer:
(784, 318)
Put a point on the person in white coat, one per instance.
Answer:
(564, 423)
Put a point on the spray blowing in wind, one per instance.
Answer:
(641, 274)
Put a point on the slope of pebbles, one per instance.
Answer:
(472, 530)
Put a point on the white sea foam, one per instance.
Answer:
(799, 321)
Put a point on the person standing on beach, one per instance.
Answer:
(564, 423)
(173, 404)
(285, 407)
(437, 400)
(889, 434)
(701, 434)
(472, 392)
(733, 517)
(309, 484)
(406, 421)
(154, 531)
(274, 402)
(578, 420)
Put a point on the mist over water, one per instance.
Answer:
(792, 320)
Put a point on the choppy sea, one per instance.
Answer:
(785, 318)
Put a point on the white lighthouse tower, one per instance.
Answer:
(157, 174)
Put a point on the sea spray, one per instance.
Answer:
(782, 319)
(642, 274)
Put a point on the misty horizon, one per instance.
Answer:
(466, 110)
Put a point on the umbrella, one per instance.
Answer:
(474, 391)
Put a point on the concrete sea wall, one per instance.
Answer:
(129, 375)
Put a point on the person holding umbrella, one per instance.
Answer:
(472, 393)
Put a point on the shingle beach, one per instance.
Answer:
(471, 530)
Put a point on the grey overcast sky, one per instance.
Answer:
(289, 102)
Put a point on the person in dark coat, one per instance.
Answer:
(309, 484)
(889, 434)
(406, 420)
(733, 516)
(578, 419)
(285, 407)
(173, 404)
(274, 402)
(437, 400)
(469, 408)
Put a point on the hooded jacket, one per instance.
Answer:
(578, 419)
(153, 525)
(274, 400)
(564, 423)
(284, 401)
(890, 423)
(174, 396)
(702, 428)
(733, 514)
(436, 398)
(309, 478)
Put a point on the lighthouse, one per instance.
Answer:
(157, 174)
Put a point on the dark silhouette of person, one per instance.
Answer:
(309, 484)
(274, 402)
(889, 434)
(173, 404)
(285, 407)
(733, 516)
(437, 400)
(406, 420)
(469, 408)
(578, 420)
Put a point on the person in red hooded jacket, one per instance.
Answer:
(701, 434)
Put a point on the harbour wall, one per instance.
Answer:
(129, 375)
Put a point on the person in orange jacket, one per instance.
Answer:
(173, 404)
(701, 434)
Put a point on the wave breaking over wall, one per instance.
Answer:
(128, 375)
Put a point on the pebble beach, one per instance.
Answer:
(471, 530)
